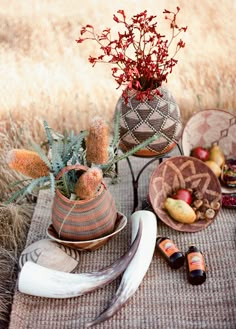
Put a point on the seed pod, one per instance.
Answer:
(206, 203)
(215, 205)
(197, 203)
(200, 215)
(210, 213)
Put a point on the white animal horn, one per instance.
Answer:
(138, 266)
(40, 281)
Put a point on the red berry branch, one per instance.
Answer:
(140, 54)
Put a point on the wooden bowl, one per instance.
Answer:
(90, 245)
(208, 126)
(182, 172)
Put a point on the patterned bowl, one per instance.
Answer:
(90, 245)
(182, 172)
(208, 126)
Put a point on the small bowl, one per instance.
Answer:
(207, 127)
(183, 172)
(228, 175)
(94, 244)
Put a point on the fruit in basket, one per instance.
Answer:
(216, 154)
(200, 153)
(180, 210)
(183, 194)
(214, 167)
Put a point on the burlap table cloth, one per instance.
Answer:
(165, 299)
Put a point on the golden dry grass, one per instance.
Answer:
(14, 224)
(46, 75)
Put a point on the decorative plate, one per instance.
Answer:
(90, 245)
(208, 126)
(182, 172)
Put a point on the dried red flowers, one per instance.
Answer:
(140, 53)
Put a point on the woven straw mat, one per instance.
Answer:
(165, 299)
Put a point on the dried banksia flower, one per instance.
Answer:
(97, 142)
(88, 183)
(27, 163)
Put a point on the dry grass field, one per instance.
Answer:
(45, 74)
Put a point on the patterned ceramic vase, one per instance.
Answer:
(141, 120)
(83, 219)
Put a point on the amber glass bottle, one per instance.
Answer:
(195, 266)
(174, 257)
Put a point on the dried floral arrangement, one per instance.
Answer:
(94, 148)
(140, 54)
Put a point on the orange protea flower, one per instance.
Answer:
(88, 183)
(97, 142)
(27, 163)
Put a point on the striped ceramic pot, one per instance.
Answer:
(83, 220)
(142, 119)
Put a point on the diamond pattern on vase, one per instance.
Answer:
(159, 115)
(133, 102)
(124, 131)
(170, 132)
(131, 119)
(156, 123)
(143, 132)
(154, 103)
(128, 145)
(171, 129)
(131, 139)
(159, 146)
(174, 111)
(143, 112)
(163, 109)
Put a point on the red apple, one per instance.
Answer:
(183, 194)
(200, 153)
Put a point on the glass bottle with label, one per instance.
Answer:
(195, 266)
(174, 257)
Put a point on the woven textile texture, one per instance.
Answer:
(165, 299)
(141, 120)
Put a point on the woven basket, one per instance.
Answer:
(210, 126)
(182, 172)
(141, 120)
(83, 219)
